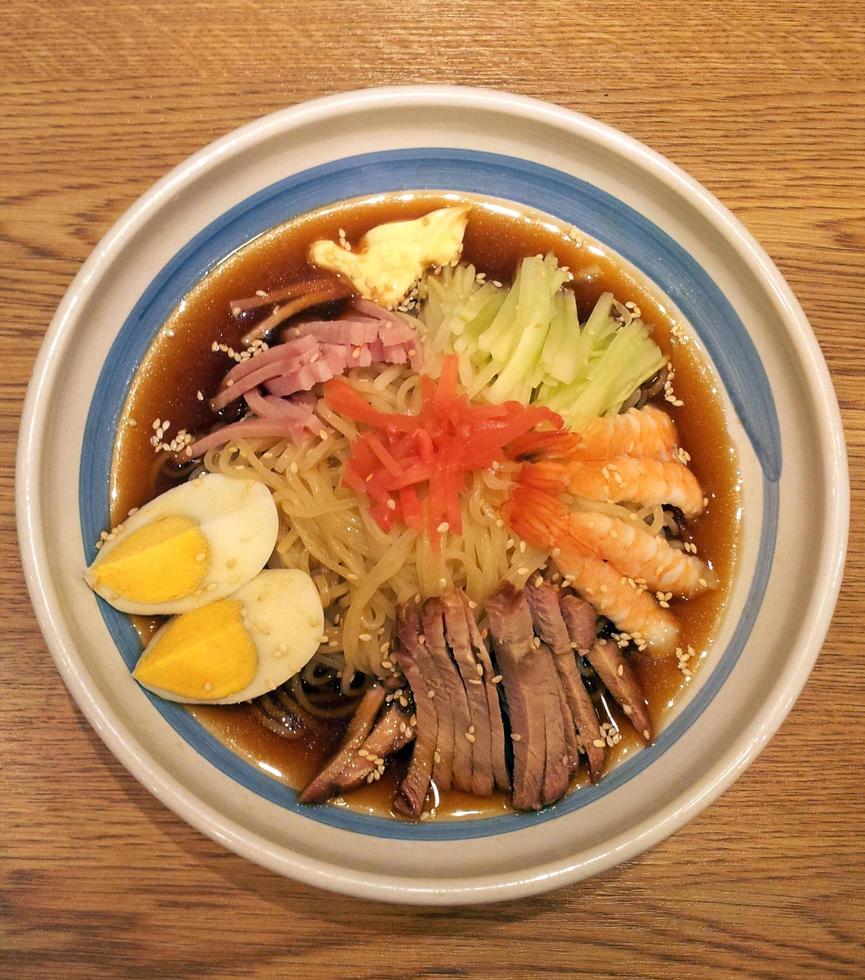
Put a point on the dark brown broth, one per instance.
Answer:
(180, 363)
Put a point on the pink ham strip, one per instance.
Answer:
(277, 369)
(255, 428)
(300, 345)
(270, 407)
(395, 355)
(368, 308)
(355, 332)
(318, 351)
(301, 379)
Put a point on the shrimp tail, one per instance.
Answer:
(558, 444)
(536, 516)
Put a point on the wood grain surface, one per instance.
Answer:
(763, 102)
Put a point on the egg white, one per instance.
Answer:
(238, 518)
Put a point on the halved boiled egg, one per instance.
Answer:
(237, 648)
(195, 543)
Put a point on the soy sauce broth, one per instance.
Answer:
(181, 371)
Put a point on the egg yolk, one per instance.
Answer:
(169, 558)
(205, 654)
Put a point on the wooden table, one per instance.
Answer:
(764, 103)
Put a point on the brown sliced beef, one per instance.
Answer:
(581, 620)
(532, 700)
(621, 680)
(324, 785)
(451, 698)
(412, 658)
(572, 740)
(557, 763)
(391, 732)
(457, 636)
(549, 623)
(501, 776)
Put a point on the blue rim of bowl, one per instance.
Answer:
(597, 213)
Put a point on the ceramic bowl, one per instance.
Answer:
(780, 406)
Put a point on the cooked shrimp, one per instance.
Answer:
(642, 556)
(544, 522)
(621, 479)
(645, 432)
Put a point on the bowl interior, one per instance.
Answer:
(655, 257)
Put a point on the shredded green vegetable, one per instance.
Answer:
(525, 342)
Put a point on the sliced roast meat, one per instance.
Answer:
(572, 740)
(471, 672)
(324, 785)
(391, 732)
(547, 619)
(574, 615)
(557, 762)
(621, 680)
(451, 699)
(582, 622)
(548, 616)
(412, 658)
(524, 682)
(491, 684)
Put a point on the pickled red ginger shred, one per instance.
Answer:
(414, 467)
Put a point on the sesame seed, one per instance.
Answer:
(598, 743)
(469, 737)
(443, 583)
(443, 528)
(516, 737)
(365, 637)
(646, 734)
(497, 679)
(430, 694)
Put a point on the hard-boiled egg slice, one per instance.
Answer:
(195, 543)
(236, 648)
